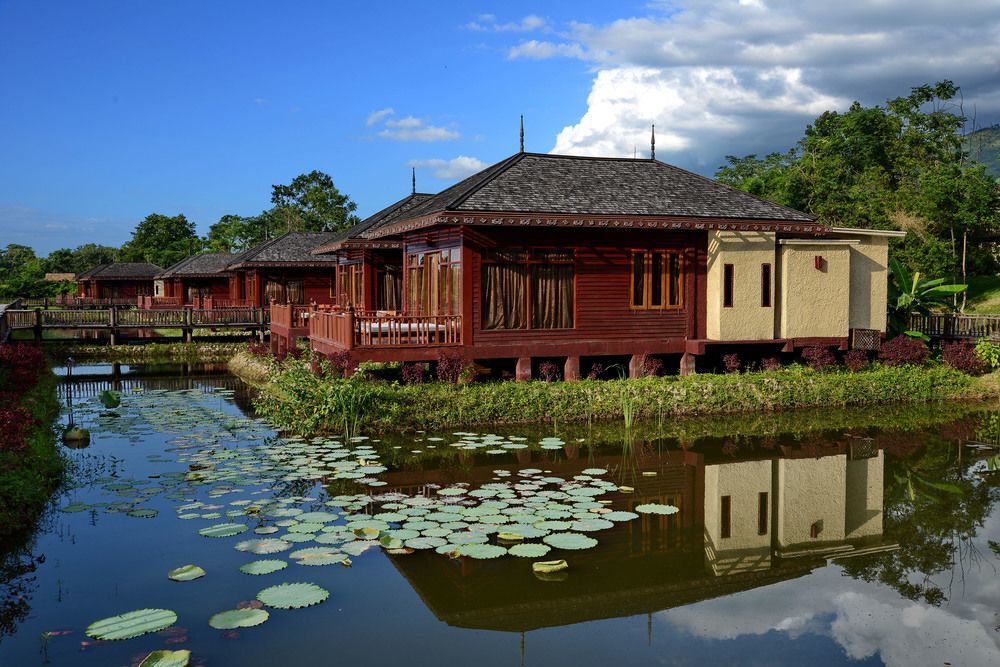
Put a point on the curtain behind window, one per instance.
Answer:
(294, 291)
(274, 290)
(552, 297)
(504, 302)
(390, 295)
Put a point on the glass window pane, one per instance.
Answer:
(656, 281)
(638, 278)
(674, 277)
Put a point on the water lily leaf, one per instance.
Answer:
(143, 513)
(656, 508)
(620, 516)
(267, 566)
(166, 658)
(238, 618)
(266, 545)
(510, 537)
(390, 542)
(186, 573)
(358, 547)
(595, 471)
(223, 530)
(481, 551)
(569, 541)
(591, 525)
(131, 624)
(425, 543)
(529, 550)
(549, 566)
(293, 596)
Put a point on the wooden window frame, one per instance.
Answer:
(531, 261)
(351, 277)
(728, 285)
(449, 259)
(762, 513)
(766, 281)
(664, 256)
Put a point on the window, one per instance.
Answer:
(726, 516)
(727, 285)
(765, 285)
(351, 285)
(283, 291)
(657, 279)
(389, 287)
(762, 513)
(434, 282)
(528, 289)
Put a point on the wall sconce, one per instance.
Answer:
(818, 260)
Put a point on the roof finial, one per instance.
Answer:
(522, 133)
(652, 143)
(414, 180)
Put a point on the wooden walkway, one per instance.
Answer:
(116, 321)
(957, 327)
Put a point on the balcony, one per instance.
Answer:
(348, 330)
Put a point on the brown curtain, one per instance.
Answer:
(504, 297)
(391, 291)
(552, 297)
(295, 292)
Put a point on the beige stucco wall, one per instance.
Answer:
(746, 319)
(814, 302)
(869, 282)
(810, 490)
(864, 511)
(744, 549)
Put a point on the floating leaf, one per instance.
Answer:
(549, 566)
(529, 550)
(166, 658)
(569, 541)
(293, 596)
(267, 566)
(143, 513)
(186, 573)
(131, 624)
(223, 530)
(481, 551)
(266, 545)
(620, 516)
(656, 508)
(238, 618)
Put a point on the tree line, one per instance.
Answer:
(311, 202)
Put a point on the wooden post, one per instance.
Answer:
(522, 372)
(261, 329)
(688, 364)
(38, 325)
(571, 369)
(188, 327)
(635, 365)
(113, 325)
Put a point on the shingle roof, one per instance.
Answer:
(121, 271)
(204, 265)
(566, 184)
(389, 214)
(289, 248)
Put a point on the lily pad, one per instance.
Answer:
(656, 508)
(529, 550)
(549, 566)
(186, 573)
(238, 618)
(167, 658)
(266, 566)
(569, 541)
(293, 596)
(482, 551)
(223, 530)
(131, 624)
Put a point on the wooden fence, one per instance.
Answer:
(953, 327)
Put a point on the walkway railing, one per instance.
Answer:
(290, 316)
(951, 326)
(348, 330)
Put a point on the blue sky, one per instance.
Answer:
(110, 110)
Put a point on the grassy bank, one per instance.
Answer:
(28, 478)
(295, 398)
(150, 352)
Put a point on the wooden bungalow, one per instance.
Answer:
(563, 258)
(118, 283)
(283, 270)
(199, 281)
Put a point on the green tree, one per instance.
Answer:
(909, 294)
(236, 233)
(161, 240)
(311, 202)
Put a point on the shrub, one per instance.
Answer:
(341, 362)
(20, 365)
(963, 357)
(259, 349)
(14, 425)
(770, 363)
(450, 367)
(903, 350)
(855, 360)
(989, 352)
(819, 357)
(548, 371)
(731, 362)
(651, 366)
(413, 373)
(596, 371)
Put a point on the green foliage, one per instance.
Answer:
(311, 202)
(983, 146)
(910, 294)
(162, 240)
(298, 399)
(110, 399)
(989, 352)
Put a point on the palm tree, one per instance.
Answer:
(915, 294)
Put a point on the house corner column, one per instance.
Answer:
(522, 373)
(688, 364)
(571, 369)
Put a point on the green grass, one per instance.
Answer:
(983, 295)
(28, 480)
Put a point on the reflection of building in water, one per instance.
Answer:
(742, 524)
(793, 505)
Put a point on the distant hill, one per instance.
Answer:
(984, 146)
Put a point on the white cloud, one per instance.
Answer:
(453, 169)
(488, 23)
(746, 76)
(533, 49)
(376, 116)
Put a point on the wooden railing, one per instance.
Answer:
(956, 326)
(5, 310)
(349, 330)
(229, 316)
(290, 316)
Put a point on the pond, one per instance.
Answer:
(841, 537)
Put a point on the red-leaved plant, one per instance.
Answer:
(450, 366)
(731, 362)
(413, 373)
(855, 360)
(818, 357)
(903, 350)
(962, 357)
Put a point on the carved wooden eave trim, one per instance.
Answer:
(663, 223)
